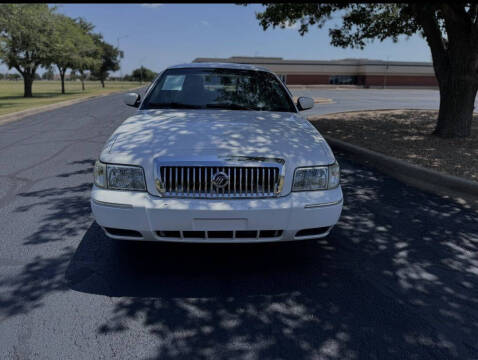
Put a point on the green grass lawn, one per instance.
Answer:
(49, 92)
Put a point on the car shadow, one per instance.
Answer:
(169, 270)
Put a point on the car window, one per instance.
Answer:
(230, 89)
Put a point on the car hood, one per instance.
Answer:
(196, 133)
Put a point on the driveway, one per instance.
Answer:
(396, 279)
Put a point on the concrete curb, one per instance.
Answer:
(420, 177)
(8, 118)
(317, 117)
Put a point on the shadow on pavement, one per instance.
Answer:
(397, 278)
(66, 214)
(68, 208)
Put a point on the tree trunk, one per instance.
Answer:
(82, 79)
(27, 85)
(455, 59)
(102, 82)
(62, 76)
(457, 102)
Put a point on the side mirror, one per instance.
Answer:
(305, 103)
(132, 99)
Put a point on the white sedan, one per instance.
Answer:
(216, 153)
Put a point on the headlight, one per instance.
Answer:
(119, 177)
(316, 178)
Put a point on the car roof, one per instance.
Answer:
(219, 65)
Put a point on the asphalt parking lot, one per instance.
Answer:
(372, 99)
(396, 279)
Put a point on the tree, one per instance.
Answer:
(49, 74)
(450, 29)
(63, 46)
(143, 74)
(72, 46)
(89, 53)
(25, 39)
(110, 58)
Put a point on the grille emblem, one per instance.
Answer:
(220, 180)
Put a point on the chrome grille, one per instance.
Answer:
(196, 180)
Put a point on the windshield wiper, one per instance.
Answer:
(173, 105)
(230, 107)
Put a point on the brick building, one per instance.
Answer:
(364, 72)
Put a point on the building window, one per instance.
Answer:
(343, 80)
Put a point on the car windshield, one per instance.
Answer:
(231, 89)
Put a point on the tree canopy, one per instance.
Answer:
(25, 39)
(450, 29)
(35, 35)
(88, 53)
(142, 74)
(109, 56)
(72, 48)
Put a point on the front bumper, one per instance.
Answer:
(149, 216)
